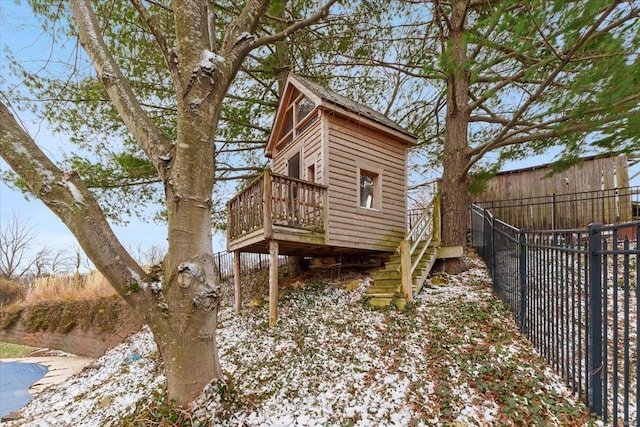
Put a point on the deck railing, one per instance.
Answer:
(273, 199)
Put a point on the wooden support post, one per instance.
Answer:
(437, 219)
(273, 282)
(267, 207)
(325, 214)
(405, 268)
(236, 279)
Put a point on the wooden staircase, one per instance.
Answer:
(407, 270)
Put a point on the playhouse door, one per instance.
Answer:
(294, 202)
(294, 166)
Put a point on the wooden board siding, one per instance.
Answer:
(308, 144)
(351, 147)
(313, 153)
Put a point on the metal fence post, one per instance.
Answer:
(485, 238)
(595, 315)
(553, 211)
(522, 279)
(493, 252)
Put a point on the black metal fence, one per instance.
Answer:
(248, 262)
(574, 293)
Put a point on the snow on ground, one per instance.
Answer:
(103, 391)
(453, 357)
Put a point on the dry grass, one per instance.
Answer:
(75, 287)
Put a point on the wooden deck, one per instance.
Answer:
(278, 207)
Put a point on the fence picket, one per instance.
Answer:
(595, 314)
(248, 262)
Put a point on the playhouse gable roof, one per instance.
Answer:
(329, 100)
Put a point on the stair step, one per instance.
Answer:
(382, 295)
(385, 274)
(391, 265)
(387, 280)
(395, 260)
(380, 302)
(383, 291)
(386, 291)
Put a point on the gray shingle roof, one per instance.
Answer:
(350, 105)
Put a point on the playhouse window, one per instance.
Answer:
(311, 173)
(297, 119)
(305, 106)
(368, 196)
(288, 121)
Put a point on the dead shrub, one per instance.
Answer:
(64, 315)
(9, 315)
(69, 287)
(10, 292)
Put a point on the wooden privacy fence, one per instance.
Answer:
(596, 189)
(248, 262)
(589, 175)
(576, 210)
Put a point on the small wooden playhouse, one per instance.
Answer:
(337, 189)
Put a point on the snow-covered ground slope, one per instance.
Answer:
(452, 358)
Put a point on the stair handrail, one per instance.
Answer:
(419, 230)
(413, 238)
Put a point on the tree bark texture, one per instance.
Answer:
(456, 155)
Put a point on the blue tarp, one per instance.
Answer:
(15, 380)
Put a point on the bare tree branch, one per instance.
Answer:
(152, 140)
(169, 55)
(67, 196)
(321, 13)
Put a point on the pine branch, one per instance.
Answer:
(496, 143)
